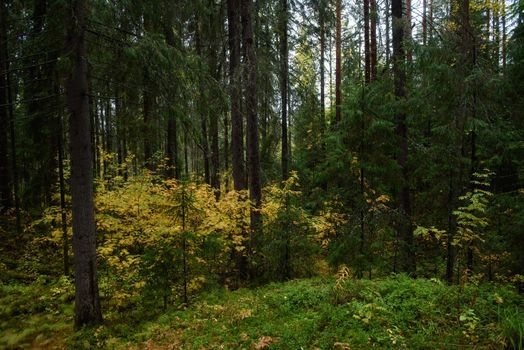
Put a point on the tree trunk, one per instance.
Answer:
(255, 192)
(7, 101)
(237, 123)
(87, 304)
(283, 86)
(373, 39)
(388, 35)
(367, 59)
(172, 137)
(338, 62)
(322, 25)
(408, 38)
(214, 33)
(405, 228)
(424, 22)
(5, 193)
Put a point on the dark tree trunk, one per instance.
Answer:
(407, 33)
(7, 108)
(405, 228)
(237, 123)
(148, 123)
(213, 54)
(63, 213)
(172, 137)
(373, 39)
(87, 304)
(424, 22)
(388, 35)
(202, 109)
(450, 256)
(338, 62)
(283, 86)
(5, 193)
(367, 58)
(322, 25)
(255, 191)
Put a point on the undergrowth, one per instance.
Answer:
(391, 313)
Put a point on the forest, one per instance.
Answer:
(261, 174)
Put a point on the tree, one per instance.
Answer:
(338, 62)
(5, 193)
(237, 123)
(255, 191)
(87, 304)
(284, 86)
(405, 228)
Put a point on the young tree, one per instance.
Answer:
(87, 304)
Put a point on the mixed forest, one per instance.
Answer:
(281, 174)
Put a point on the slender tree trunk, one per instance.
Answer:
(450, 257)
(322, 25)
(6, 100)
(172, 137)
(367, 58)
(255, 191)
(373, 39)
(408, 38)
(148, 105)
(405, 228)
(63, 213)
(388, 35)
(504, 33)
(424, 22)
(5, 193)
(213, 55)
(237, 123)
(283, 86)
(87, 304)
(338, 62)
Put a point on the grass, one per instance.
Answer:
(392, 313)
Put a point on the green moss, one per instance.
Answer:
(391, 313)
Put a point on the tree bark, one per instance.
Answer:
(87, 304)
(338, 63)
(322, 29)
(405, 228)
(367, 58)
(172, 130)
(5, 192)
(373, 39)
(255, 191)
(237, 123)
(283, 86)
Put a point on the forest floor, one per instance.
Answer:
(391, 313)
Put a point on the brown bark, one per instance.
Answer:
(87, 304)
